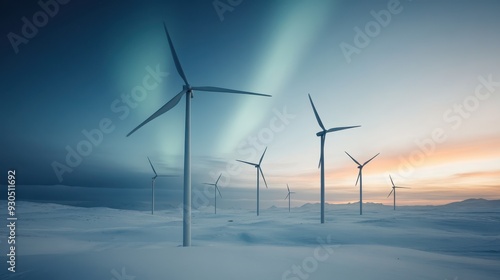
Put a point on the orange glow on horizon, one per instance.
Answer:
(453, 171)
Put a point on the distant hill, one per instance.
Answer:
(474, 203)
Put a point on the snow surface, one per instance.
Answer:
(456, 241)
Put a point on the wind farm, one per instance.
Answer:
(116, 147)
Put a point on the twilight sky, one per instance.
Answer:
(421, 77)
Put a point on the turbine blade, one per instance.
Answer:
(218, 179)
(287, 187)
(390, 193)
(262, 173)
(152, 166)
(168, 176)
(402, 187)
(170, 104)
(352, 158)
(316, 114)
(357, 179)
(371, 159)
(209, 184)
(254, 164)
(174, 56)
(217, 188)
(391, 180)
(219, 89)
(262, 155)
(341, 128)
(287, 196)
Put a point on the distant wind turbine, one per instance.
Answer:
(153, 179)
(394, 187)
(188, 91)
(216, 189)
(322, 134)
(360, 178)
(288, 196)
(259, 170)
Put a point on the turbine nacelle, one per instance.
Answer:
(321, 133)
(188, 89)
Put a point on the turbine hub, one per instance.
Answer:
(321, 133)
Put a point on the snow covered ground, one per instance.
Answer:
(457, 241)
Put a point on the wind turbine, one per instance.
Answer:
(187, 90)
(360, 178)
(322, 134)
(153, 179)
(394, 187)
(259, 169)
(216, 189)
(288, 196)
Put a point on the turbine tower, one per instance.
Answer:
(187, 90)
(289, 197)
(394, 187)
(153, 179)
(360, 178)
(322, 134)
(216, 189)
(259, 170)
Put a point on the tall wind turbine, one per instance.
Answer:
(360, 178)
(394, 187)
(259, 170)
(153, 179)
(322, 134)
(216, 189)
(288, 196)
(187, 90)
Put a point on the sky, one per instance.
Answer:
(422, 79)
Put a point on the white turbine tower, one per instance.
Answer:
(216, 189)
(259, 169)
(322, 134)
(394, 187)
(360, 178)
(187, 90)
(153, 179)
(289, 197)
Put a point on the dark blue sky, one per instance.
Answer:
(74, 72)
